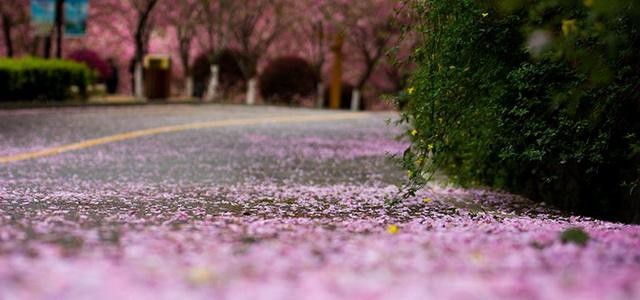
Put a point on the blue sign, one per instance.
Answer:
(75, 17)
(42, 16)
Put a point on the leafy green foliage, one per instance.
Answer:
(537, 97)
(574, 236)
(42, 79)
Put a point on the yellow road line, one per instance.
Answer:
(174, 128)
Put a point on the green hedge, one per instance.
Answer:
(541, 98)
(42, 79)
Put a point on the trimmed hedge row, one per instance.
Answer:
(29, 78)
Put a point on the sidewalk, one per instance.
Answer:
(111, 100)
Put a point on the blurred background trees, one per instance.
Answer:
(14, 16)
(254, 32)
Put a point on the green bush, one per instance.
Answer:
(229, 73)
(41, 79)
(286, 78)
(537, 97)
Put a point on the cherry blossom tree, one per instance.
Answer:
(362, 33)
(254, 29)
(14, 15)
(185, 17)
(371, 29)
(259, 30)
(132, 20)
(144, 26)
(314, 27)
(216, 15)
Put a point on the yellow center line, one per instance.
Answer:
(174, 128)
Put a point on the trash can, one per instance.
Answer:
(157, 76)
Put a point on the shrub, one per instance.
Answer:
(285, 78)
(230, 74)
(93, 60)
(35, 78)
(574, 236)
(539, 98)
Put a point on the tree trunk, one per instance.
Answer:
(47, 45)
(320, 91)
(33, 46)
(368, 70)
(212, 89)
(188, 86)
(139, 37)
(251, 91)
(59, 22)
(355, 100)
(188, 79)
(185, 47)
(6, 28)
(137, 73)
(137, 79)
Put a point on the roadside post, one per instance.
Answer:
(157, 77)
(336, 72)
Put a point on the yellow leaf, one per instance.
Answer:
(199, 275)
(427, 200)
(568, 26)
(414, 132)
(393, 229)
(485, 14)
(477, 257)
(411, 90)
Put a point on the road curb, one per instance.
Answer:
(63, 104)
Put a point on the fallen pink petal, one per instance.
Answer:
(307, 149)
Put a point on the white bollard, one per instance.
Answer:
(355, 100)
(137, 81)
(251, 91)
(188, 89)
(212, 89)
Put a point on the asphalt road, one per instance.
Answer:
(237, 202)
(302, 152)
